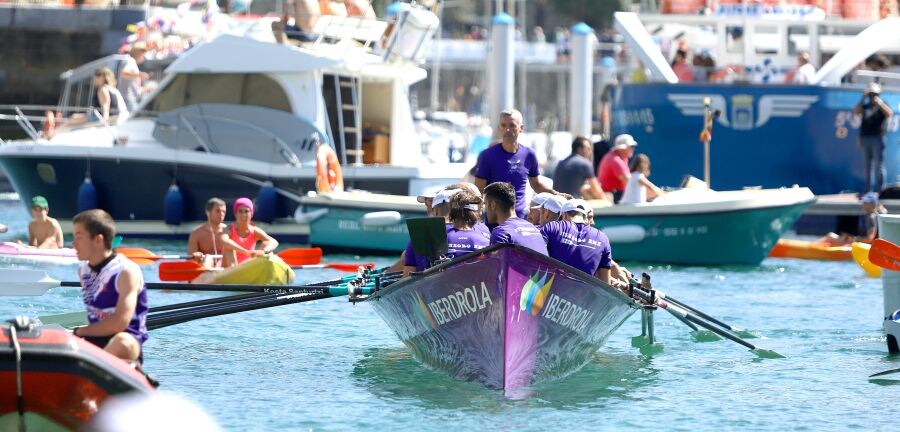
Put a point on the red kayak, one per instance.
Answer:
(64, 379)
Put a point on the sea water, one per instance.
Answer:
(331, 365)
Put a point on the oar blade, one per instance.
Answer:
(883, 260)
(766, 353)
(180, 271)
(138, 255)
(67, 320)
(348, 267)
(882, 373)
(301, 256)
(24, 282)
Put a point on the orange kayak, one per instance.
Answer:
(786, 248)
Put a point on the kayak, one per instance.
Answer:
(264, 270)
(860, 252)
(13, 251)
(787, 248)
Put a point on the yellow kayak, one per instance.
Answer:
(264, 270)
(787, 248)
(860, 253)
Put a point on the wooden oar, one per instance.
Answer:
(885, 254)
(25, 282)
(681, 312)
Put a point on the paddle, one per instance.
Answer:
(738, 331)
(887, 372)
(293, 256)
(681, 312)
(25, 282)
(186, 271)
(885, 254)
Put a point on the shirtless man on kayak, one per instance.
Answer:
(206, 244)
(44, 231)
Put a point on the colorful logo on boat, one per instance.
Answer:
(535, 292)
(423, 314)
(741, 114)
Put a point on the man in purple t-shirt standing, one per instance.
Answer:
(499, 204)
(574, 242)
(510, 162)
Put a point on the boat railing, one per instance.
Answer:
(26, 115)
(283, 149)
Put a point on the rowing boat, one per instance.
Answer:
(12, 251)
(789, 248)
(504, 316)
(63, 379)
(263, 270)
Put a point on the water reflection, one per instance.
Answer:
(392, 373)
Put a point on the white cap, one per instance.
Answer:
(624, 141)
(540, 199)
(874, 88)
(428, 194)
(443, 197)
(554, 203)
(578, 205)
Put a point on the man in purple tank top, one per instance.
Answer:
(112, 288)
(576, 243)
(499, 206)
(510, 162)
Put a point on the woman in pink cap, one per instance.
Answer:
(246, 235)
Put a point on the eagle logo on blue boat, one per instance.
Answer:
(535, 292)
(741, 115)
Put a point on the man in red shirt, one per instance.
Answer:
(613, 170)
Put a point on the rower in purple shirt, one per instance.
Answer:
(499, 206)
(463, 233)
(510, 162)
(573, 241)
(440, 206)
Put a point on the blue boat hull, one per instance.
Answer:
(767, 135)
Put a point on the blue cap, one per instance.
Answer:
(869, 198)
(581, 29)
(503, 18)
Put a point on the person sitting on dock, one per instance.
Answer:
(575, 174)
(510, 162)
(240, 242)
(44, 232)
(574, 242)
(613, 170)
(871, 209)
(500, 208)
(639, 189)
(112, 288)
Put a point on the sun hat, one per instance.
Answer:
(444, 196)
(539, 199)
(577, 205)
(40, 201)
(243, 202)
(554, 203)
(624, 141)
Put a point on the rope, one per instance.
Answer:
(20, 399)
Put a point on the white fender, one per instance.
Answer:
(380, 219)
(309, 217)
(624, 233)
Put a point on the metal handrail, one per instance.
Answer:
(289, 155)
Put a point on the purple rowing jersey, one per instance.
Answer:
(101, 293)
(578, 245)
(498, 165)
(462, 242)
(521, 232)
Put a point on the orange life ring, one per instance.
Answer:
(328, 170)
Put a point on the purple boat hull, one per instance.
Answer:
(505, 316)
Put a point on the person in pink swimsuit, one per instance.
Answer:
(246, 235)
